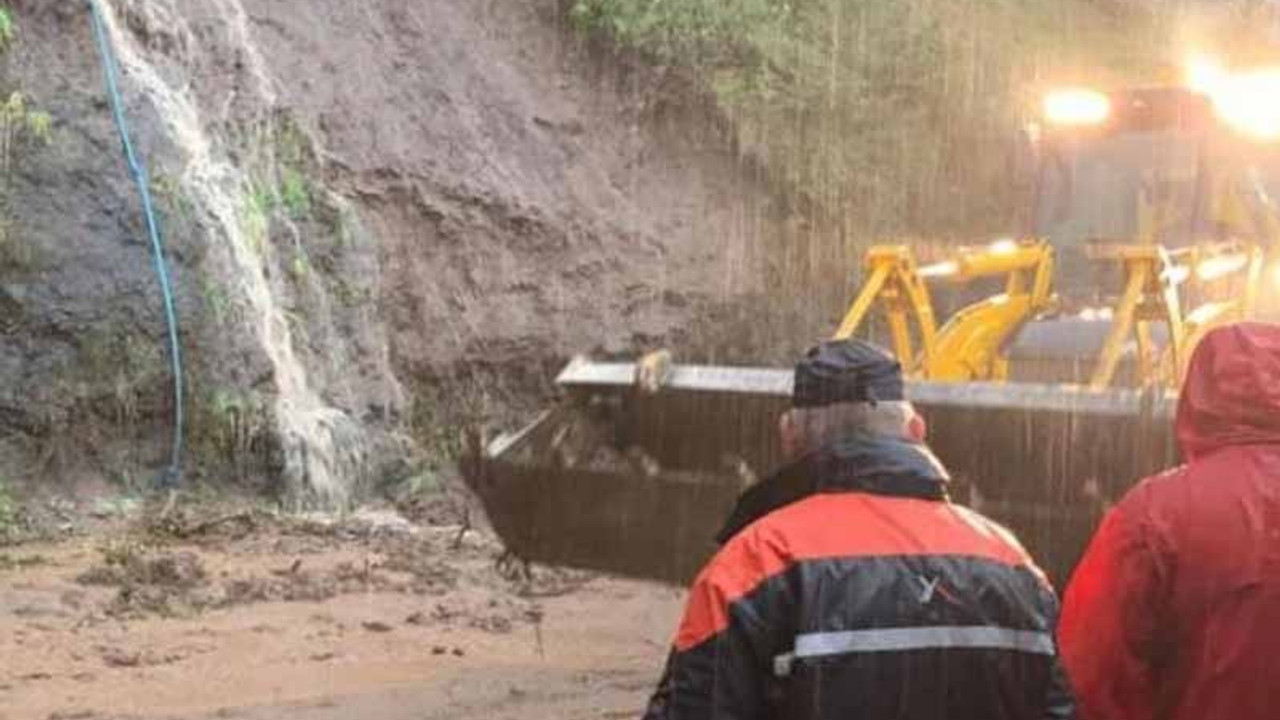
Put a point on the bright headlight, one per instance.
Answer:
(1247, 101)
(1003, 246)
(1076, 106)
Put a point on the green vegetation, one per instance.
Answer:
(281, 156)
(20, 562)
(295, 193)
(255, 217)
(240, 416)
(229, 425)
(892, 117)
(299, 268)
(122, 553)
(8, 30)
(17, 253)
(352, 295)
(8, 512)
(18, 120)
(438, 416)
(262, 198)
(21, 127)
(168, 189)
(345, 226)
(119, 368)
(217, 302)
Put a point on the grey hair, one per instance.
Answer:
(818, 426)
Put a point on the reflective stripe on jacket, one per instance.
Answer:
(851, 588)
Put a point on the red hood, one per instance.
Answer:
(1232, 392)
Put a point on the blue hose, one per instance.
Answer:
(139, 172)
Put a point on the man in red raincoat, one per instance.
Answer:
(1174, 613)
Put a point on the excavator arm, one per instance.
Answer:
(894, 281)
(968, 346)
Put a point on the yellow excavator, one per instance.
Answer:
(1048, 389)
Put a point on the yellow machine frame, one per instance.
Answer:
(969, 345)
(1153, 278)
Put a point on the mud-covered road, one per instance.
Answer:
(264, 617)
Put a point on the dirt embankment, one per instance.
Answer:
(381, 216)
(248, 614)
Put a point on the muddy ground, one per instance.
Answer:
(247, 613)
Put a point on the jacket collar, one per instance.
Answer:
(862, 463)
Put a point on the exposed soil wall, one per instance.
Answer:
(378, 214)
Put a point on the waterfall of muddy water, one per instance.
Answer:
(324, 449)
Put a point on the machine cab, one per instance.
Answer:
(1160, 168)
(1159, 173)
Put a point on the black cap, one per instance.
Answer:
(842, 371)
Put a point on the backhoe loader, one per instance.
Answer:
(1046, 396)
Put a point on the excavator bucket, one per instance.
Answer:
(637, 482)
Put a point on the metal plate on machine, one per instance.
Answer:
(992, 395)
(1044, 457)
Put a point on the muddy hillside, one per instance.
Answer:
(385, 220)
(378, 215)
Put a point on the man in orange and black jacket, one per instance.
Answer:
(848, 586)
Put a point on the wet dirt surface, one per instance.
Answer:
(289, 618)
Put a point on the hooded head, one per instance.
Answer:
(1231, 395)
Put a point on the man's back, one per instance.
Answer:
(868, 605)
(848, 586)
(1196, 595)
(1222, 516)
(910, 609)
(1174, 612)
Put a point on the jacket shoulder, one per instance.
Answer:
(1006, 544)
(1213, 486)
(997, 533)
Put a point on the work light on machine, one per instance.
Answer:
(1248, 101)
(1076, 106)
(948, 268)
(1250, 104)
(1003, 246)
